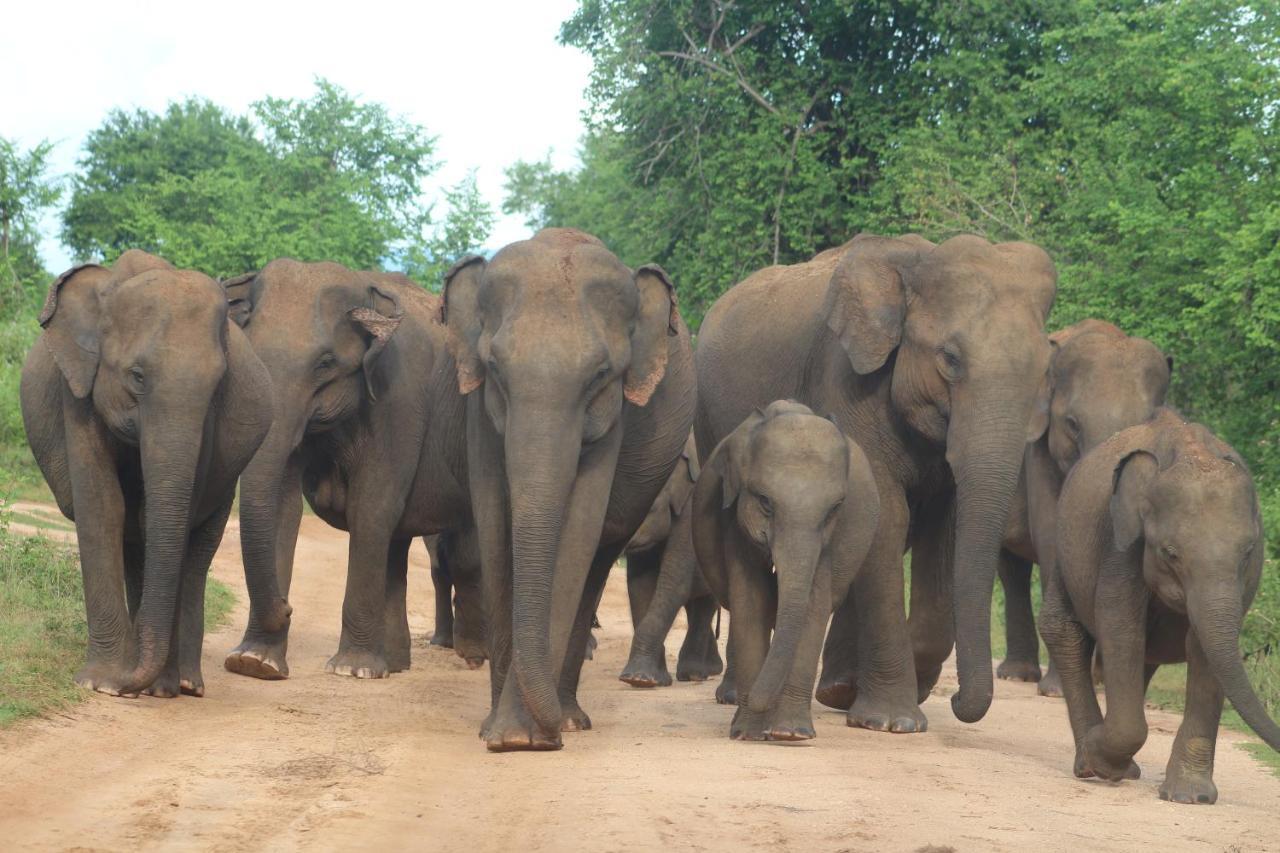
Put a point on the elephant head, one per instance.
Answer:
(146, 345)
(1101, 381)
(958, 331)
(784, 477)
(321, 330)
(656, 526)
(557, 335)
(1186, 499)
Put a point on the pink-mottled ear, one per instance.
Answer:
(379, 321)
(658, 319)
(461, 317)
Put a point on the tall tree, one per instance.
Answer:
(26, 191)
(467, 222)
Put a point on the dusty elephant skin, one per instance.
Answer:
(455, 575)
(662, 577)
(1101, 381)
(783, 515)
(369, 427)
(932, 358)
(142, 405)
(1160, 551)
(581, 394)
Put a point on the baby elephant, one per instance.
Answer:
(1159, 556)
(783, 515)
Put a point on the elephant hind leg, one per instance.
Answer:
(1022, 656)
(700, 653)
(398, 643)
(442, 585)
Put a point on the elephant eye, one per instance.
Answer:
(326, 361)
(491, 367)
(949, 362)
(1169, 552)
(137, 378)
(766, 505)
(1073, 425)
(835, 510)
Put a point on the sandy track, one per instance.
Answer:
(320, 762)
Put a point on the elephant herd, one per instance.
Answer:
(548, 415)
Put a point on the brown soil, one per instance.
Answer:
(320, 762)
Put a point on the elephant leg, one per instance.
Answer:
(792, 717)
(493, 547)
(397, 642)
(642, 581)
(1188, 777)
(932, 569)
(576, 719)
(263, 652)
(1022, 643)
(468, 596)
(727, 689)
(753, 602)
(887, 689)
(699, 654)
(838, 683)
(442, 584)
(647, 662)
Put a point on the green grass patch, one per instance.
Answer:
(42, 624)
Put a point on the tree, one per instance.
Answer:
(466, 225)
(26, 190)
(326, 178)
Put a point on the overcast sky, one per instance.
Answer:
(486, 77)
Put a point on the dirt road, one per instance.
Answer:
(320, 762)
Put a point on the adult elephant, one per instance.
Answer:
(369, 427)
(580, 390)
(1101, 381)
(932, 358)
(141, 403)
(662, 577)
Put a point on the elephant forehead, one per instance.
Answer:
(555, 265)
(168, 294)
(800, 441)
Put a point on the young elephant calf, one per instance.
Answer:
(783, 516)
(1159, 556)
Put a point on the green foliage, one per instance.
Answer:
(42, 623)
(466, 226)
(26, 190)
(326, 178)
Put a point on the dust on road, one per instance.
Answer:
(320, 762)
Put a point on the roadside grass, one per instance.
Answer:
(42, 623)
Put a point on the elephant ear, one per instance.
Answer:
(460, 314)
(731, 459)
(71, 321)
(657, 320)
(866, 308)
(1129, 485)
(377, 321)
(1041, 409)
(239, 292)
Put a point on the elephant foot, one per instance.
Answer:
(398, 660)
(727, 693)
(1050, 685)
(574, 718)
(1190, 788)
(699, 667)
(884, 716)
(473, 663)
(259, 659)
(166, 686)
(1084, 770)
(471, 651)
(192, 686)
(838, 691)
(1018, 670)
(517, 734)
(357, 664)
(646, 670)
(1092, 760)
(443, 637)
(105, 678)
(776, 725)
(926, 679)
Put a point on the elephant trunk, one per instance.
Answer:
(985, 450)
(170, 451)
(542, 460)
(1216, 621)
(796, 558)
(261, 490)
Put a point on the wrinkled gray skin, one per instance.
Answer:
(369, 428)
(142, 404)
(455, 574)
(581, 395)
(1100, 382)
(783, 515)
(662, 577)
(1160, 551)
(932, 359)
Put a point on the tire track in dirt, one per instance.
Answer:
(320, 762)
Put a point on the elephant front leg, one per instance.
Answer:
(838, 683)
(574, 719)
(792, 716)
(397, 641)
(469, 618)
(1022, 644)
(647, 662)
(753, 602)
(442, 585)
(932, 570)
(1188, 777)
(361, 648)
(700, 654)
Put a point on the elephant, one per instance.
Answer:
(1159, 555)
(369, 428)
(662, 576)
(1100, 382)
(459, 599)
(580, 393)
(141, 406)
(932, 358)
(783, 516)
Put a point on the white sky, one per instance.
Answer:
(486, 77)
